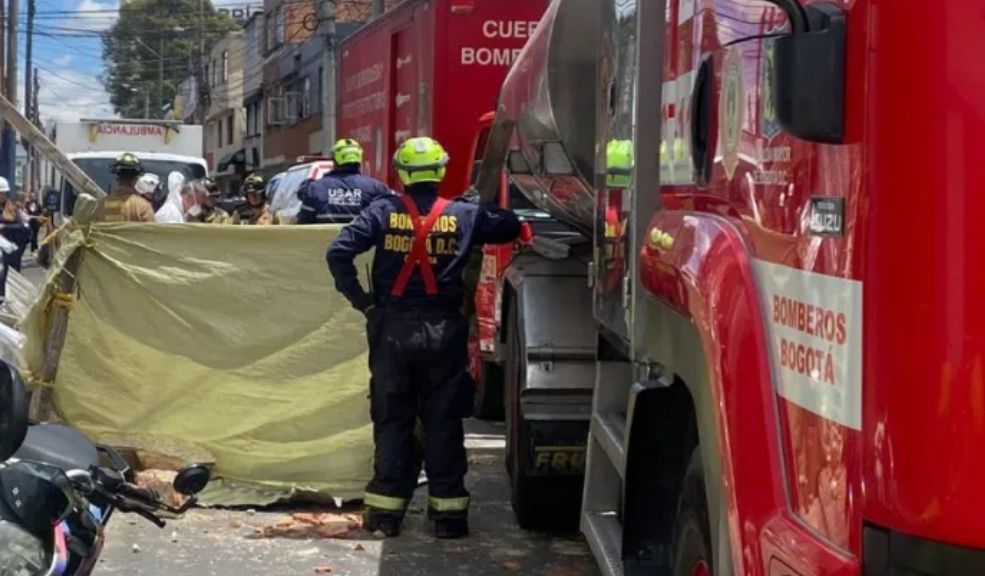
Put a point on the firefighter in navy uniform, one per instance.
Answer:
(417, 335)
(342, 193)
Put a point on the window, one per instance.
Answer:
(229, 129)
(305, 98)
(213, 80)
(218, 133)
(279, 26)
(250, 118)
(269, 38)
(225, 66)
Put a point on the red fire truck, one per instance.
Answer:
(422, 68)
(779, 365)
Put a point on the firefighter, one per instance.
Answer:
(207, 195)
(417, 334)
(255, 213)
(342, 193)
(124, 204)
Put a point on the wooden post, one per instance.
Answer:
(42, 407)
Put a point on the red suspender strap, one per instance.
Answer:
(419, 251)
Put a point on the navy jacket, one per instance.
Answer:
(338, 196)
(385, 226)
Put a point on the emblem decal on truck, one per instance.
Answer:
(730, 110)
(770, 122)
(814, 328)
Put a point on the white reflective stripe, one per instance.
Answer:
(814, 326)
(307, 208)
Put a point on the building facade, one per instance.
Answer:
(225, 121)
(253, 42)
(293, 94)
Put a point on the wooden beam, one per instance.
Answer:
(57, 308)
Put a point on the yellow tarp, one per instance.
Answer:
(229, 337)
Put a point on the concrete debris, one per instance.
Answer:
(304, 525)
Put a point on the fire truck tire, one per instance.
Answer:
(539, 503)
(692, 535)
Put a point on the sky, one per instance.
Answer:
(68, 54)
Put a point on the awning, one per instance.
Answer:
(237, 157)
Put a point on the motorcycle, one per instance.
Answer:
(58, 491)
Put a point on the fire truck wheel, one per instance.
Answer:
(539, 502)
(692, 536)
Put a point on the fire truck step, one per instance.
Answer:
(609, 428)
(604, 534)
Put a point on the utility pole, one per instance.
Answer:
(36, 110)
(146, 103)
(160, 75)
(9, 136)
(328, 76)
(29, 96)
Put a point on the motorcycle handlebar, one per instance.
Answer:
(126, 497)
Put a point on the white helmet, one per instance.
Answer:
(4, 185)
(148, 184)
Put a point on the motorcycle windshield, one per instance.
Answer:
(21, 552)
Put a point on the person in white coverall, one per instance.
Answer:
(171, 212)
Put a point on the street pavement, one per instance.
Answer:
(231, 542)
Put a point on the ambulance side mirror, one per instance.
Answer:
(809, 72)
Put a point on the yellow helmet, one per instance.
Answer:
(420, 160)
(619, 160)
(347, 151)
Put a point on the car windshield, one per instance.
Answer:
(285, 196)
(99, 170)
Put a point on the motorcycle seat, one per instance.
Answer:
(59, 446)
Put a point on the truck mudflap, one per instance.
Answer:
(557, 432)
(549, 367)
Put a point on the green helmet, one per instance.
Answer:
(254, 184)
(420, 160)
(619, 160)
(347, 151)
(127, 165)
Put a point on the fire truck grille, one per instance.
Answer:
(889, 553)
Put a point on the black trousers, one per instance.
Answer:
(418, 360)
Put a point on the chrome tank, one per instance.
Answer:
(550, 97)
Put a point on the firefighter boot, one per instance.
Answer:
(451, 528)
(385, 522)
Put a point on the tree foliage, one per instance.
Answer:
(148, 30)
